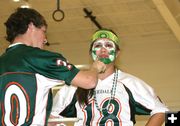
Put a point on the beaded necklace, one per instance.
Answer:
(113, 91)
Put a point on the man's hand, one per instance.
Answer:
(99, 66)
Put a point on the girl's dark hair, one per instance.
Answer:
(18, 22)
(83, 95)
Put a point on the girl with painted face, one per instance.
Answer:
(105, 46)
(104, 50)
(118, 96)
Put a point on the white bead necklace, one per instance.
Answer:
(113, 91)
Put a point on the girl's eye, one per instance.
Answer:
(109, 45)
(98, 46)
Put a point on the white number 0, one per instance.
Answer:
(16, 92)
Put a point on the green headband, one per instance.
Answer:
(105, 34)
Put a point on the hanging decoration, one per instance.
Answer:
(58, 14)
(93, 18)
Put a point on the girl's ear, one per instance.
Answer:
(117, 53)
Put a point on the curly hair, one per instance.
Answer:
(18, 22)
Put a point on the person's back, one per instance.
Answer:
(11, 60)
(21, 87)
(18, 99)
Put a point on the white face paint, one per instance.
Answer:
(106, 44)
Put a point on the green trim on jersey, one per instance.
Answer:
(135, 107)
(49, 106)
(70, 110)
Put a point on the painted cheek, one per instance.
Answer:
(112, 55)
(93, 54)
(96, 49)
(112, 52)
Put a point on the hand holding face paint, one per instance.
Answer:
(99, 66)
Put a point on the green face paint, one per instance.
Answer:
(110, 47)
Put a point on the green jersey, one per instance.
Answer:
(26, 76)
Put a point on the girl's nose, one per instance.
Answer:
(103, 49)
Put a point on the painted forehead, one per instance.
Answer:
(104, 41)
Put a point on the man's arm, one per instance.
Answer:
(88, 78)
(156, 120)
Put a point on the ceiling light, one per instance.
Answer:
(16, 0)
(25, 5)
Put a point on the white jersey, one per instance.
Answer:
(133, 96)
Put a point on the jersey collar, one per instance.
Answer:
(14, 44)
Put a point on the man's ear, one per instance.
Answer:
(31, 26)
